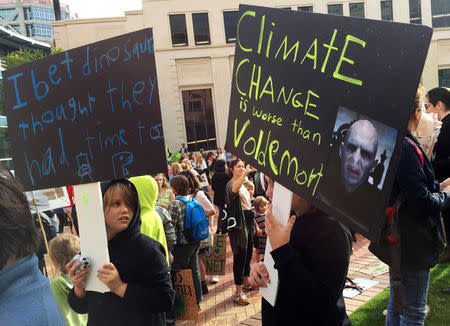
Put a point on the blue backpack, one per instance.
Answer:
(196, 224)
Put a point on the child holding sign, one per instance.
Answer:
(138, 275)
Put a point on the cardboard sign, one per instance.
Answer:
(47, 199)
(86, 115)
(321, 103)
(216, 259)
(185, 300)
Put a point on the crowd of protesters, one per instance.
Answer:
(145, 220)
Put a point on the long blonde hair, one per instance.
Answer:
(176, 168)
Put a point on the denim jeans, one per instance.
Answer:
(414, 296)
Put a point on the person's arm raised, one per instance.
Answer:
(238, 183)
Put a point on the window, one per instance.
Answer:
(386, 10)
(201, 28)
(5, 151)
(178, 28)
(29, 29)
(27, 13)
(440, 10)
(444, 77)
(335, 10)
(199, 119)
(305, 8)
(7, 14)
(288, 8)
(16, 28)
(356, 9)
(41, 30)
(415, 15)
(38, 13)
(230, 20)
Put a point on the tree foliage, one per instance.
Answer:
(17, 58)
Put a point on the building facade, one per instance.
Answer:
(194, 45)
(31, 18)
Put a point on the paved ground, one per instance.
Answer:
(218, 307)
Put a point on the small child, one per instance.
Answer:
(250, 188)
(261, 205)
(137, 276)
(62, 249)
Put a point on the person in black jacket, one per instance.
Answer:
(421, 234)
(219, 181)
(137, 276)
(438, 101)
(311, 254)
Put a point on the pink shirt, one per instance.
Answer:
(244, 195)
(203, 200)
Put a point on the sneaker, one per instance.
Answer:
(241, 299)
(215, 279)
(427, 311)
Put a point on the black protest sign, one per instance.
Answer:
(86, 115)
(215, 260)
(321, 104)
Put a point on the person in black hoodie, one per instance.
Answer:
(219, 181)
(138, 275)
(311, 254)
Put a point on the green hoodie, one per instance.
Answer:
(61, 287)
(151, 222)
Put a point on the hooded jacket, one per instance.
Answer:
(61, 287)
(152, 225)
(141, 264)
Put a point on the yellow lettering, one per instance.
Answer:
(237, 71)
(247, 13)
(336, 73)
(285, 55)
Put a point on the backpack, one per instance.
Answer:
(196, 224)
(387, 247)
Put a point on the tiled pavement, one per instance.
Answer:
(218, 307)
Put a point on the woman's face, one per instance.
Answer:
(117, 214)
(238, 169)
(159, 180)
(430, 108)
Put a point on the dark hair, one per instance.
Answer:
(181, 185)
(219, 166)
(194, 184)
(439, 94)
(232, 164)
(129, 196)
(18, 235)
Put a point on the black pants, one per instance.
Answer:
(241, 260)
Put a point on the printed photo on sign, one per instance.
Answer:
(359, 155)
